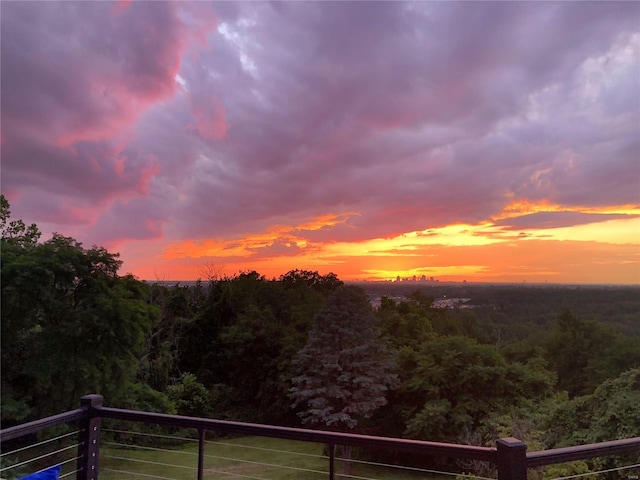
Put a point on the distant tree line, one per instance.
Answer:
(306, 349)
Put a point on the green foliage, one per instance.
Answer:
(574, 349)
(405, 323)
(453, 385)
(305, 278)
(245, 334)
(190, 397)
(345, 367)
(139, 396)
(159, 364)
(15, 232)
(70, 324)
(10, 472)
(579, 468)
(610, 413)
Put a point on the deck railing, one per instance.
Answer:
(509, 456)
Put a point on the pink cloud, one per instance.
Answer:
(98, 83)
(210, 119)
(201, 20)
(120, 6)
(70, 101)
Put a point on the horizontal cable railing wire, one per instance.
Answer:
(137, 474)
(209, 471)
(599, 472)
(255, 463)
(148, 462)
(409, 469)
(273, 450)
(316, 436)
(265, 464)
(61, 449)
(235, 475)
(68, 474)
(35, 459)
(75, 459)
(447, 450)
(242, 461)
(39, 444)
(130, 446)
(147, 434)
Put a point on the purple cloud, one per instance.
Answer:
(544, 220)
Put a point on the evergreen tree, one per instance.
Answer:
(345, 367)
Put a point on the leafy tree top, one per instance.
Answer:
(15, 231)
(311, 279)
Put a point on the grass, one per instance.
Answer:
(247, 457)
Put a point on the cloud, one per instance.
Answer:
(418, 132)
(76, 78)
(76, 73)
(197, 122)
(544, 220)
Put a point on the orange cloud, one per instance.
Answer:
(250, 245)
(518, 208)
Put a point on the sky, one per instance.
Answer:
(478, 141)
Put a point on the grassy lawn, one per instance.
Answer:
(247, 457)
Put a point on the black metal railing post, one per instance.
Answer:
(200, 453)
(511, 459)
(332, 461)
(89, 438)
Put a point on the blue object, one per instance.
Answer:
(52, 473)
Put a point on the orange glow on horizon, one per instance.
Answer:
(604, 252)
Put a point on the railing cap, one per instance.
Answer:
(511, 442)
(91, 401)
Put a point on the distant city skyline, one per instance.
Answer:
(478, 141)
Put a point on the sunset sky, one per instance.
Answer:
(495, 141)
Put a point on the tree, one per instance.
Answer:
(454, 385)
(311, 279)
(575, 351)
(610, 413)
(70, 324)
(16, 232)
(159, 365)
(190, 397)
(345, 366)
(244, 335)
(404, 324)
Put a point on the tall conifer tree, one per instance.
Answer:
(345, 367)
